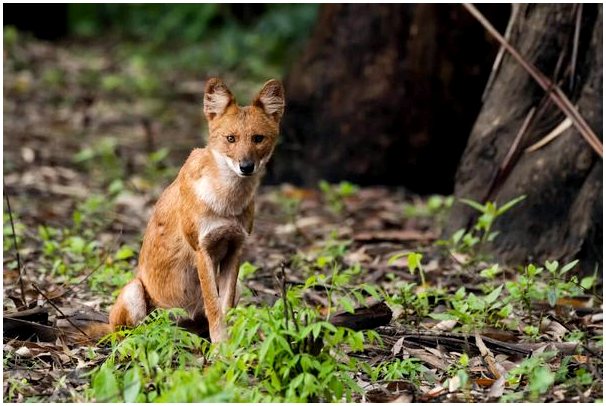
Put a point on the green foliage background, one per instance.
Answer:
(201, 36)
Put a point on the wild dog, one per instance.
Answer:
(191, 249)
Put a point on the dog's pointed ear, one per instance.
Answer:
(271, 99)
(217, 98)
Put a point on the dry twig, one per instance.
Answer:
(555, 93)
(59, 310)
(10, 216)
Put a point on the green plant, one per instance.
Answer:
(558, 287)
(335, 195)
(532, 331)
(114, 272)
(290, 206)
(155, 169)
(528, 286)
(573, 376)
(327, 258)
(71, 253)
(490, 212)
(434, 206)
(414, 264)
(491, 272)
(102, 160)
(147, 354)
(459, 378)
(412, 298)
(199, 37)
(11, 36)
(472, 241)
(395, 370)
(471, 311)
(538, 374)
(286, 352)
(16, 387)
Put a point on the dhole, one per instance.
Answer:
(191, 249)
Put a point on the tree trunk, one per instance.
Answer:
(561, 217)
(385, 94)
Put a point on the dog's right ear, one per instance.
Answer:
(217, 98)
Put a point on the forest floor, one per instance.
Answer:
(91, 138)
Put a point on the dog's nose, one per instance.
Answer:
(247, 167)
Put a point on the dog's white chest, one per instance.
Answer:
(231, 200)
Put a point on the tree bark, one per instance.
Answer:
(385, 94)
(561, 217)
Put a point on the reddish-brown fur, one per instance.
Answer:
(191, 248)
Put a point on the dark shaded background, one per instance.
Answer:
(376, 94)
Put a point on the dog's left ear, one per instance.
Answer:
(217, 98)
(271, 99)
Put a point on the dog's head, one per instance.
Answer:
(244, 137)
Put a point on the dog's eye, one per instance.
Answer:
(231, 139)
(258, 138)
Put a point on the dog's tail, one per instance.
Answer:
(97, 330)
(86, 327)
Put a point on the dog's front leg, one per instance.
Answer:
(210, 296)
(228, 278)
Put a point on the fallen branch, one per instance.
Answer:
(25, 330)
(467, 343)
(363, 318)
(553, 90)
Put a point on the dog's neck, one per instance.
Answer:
(223, 191)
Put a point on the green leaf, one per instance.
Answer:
(494, 295)
(347, 305)
(552, 296)
(153, 358)
(587, 282)
(470, 240)
(475, 302)
(540, 380)
(105, 384)
(506, 311)
(492, 236)
(456, 237)
(552, 266)
(132, 384)
(490, 273)
(568, 266)
(414, 261)
(347, 189)
(116, 186)
(464, 360)
(284, 345)
(265, 348)
(372, 291)
(124, 252)
(442, 316)
(394, 258)
(475, 205)
(510, 204)
(159, 155)
(531, 330)
(76, 244)
(84, 155)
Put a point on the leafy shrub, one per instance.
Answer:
(287, 352)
